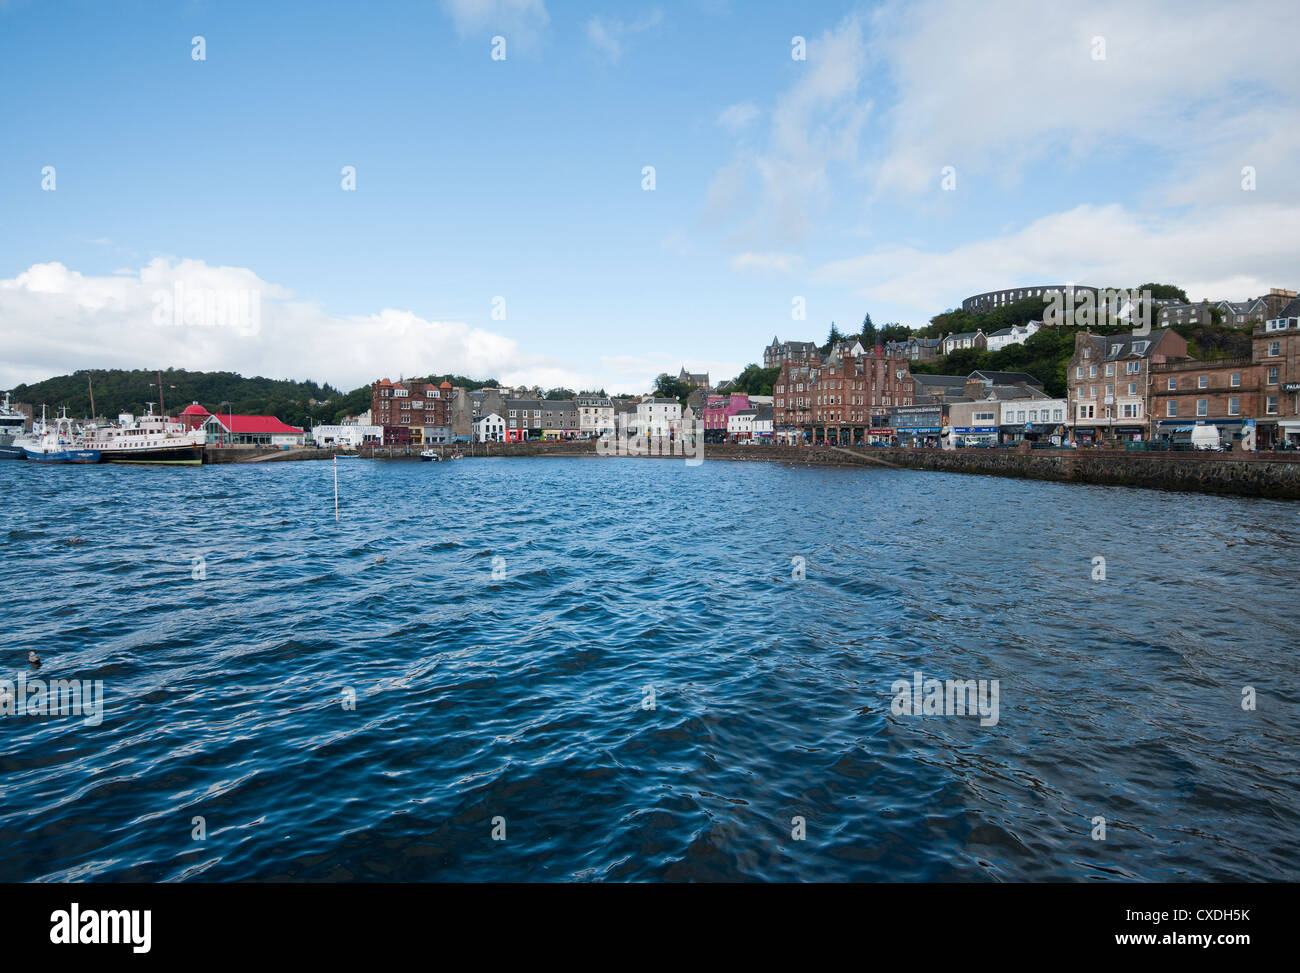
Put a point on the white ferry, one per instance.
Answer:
(149, 439)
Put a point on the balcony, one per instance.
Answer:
(1193, 364)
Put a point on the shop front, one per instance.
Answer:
(917, 426)
(967, 436)
(1230, 431)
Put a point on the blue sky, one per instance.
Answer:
(522, 178)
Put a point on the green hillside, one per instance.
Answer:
(117, 390)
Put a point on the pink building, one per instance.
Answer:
(717, 410)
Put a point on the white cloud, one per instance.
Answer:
(54, 320)
(816, 125)
(738, 116)
(608, 34)
(998, 85)
(521, 22)
(1107, 246)
(770, 263)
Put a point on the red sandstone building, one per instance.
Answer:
(412, 412)
(842, 399)
(1259, 393)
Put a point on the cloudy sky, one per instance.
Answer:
(501, 222)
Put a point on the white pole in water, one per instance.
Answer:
(336, 488)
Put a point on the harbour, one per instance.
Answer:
(499, 625)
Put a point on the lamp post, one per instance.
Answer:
(230, 423)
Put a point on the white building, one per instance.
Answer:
(1017, 334)
(1040, 416)
(595, 415)
(658, 417)
(740, 425)
(348, 435)
(763, 422)
(490, 428)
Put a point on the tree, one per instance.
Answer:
(832, 339)
(667, 387)
(756, 381)
(561, 393)
(895, 332)
(1164, 292)
(868, 336)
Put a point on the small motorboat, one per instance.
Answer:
(430, 456)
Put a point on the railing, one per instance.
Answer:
(1194, 364)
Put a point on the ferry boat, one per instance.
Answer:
(11, 429)
(61, 443)
(149, 439)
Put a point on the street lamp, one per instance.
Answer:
(230, 423)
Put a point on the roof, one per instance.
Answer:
(945, 380)
(194, 409)
(1006, 378)
(1113, 347)
(251, 425)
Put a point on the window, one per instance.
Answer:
(1274, 349)
(1173, 384)
(1172, 409)
(1131, 368)
(1058, 415)
(1272, 375)
(1132, 388)
(1092, 371)
(1202, 381)
(1202, 407)
(1271, 405)
(1078, 371)
(1235, 380)
(1110, 369)
(1110, 391)
(1234, 406)
(1033, 415)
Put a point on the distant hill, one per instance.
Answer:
(119, 390)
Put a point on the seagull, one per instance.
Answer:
(380, 559)
(34, 659)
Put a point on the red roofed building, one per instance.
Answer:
(234, 430)
(193, 416)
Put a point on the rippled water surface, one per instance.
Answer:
(524, 697)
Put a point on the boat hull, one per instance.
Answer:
(79, 456)
(178, 455)
(12, 452)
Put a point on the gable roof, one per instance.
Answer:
(254, 425)
(1006, 378)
